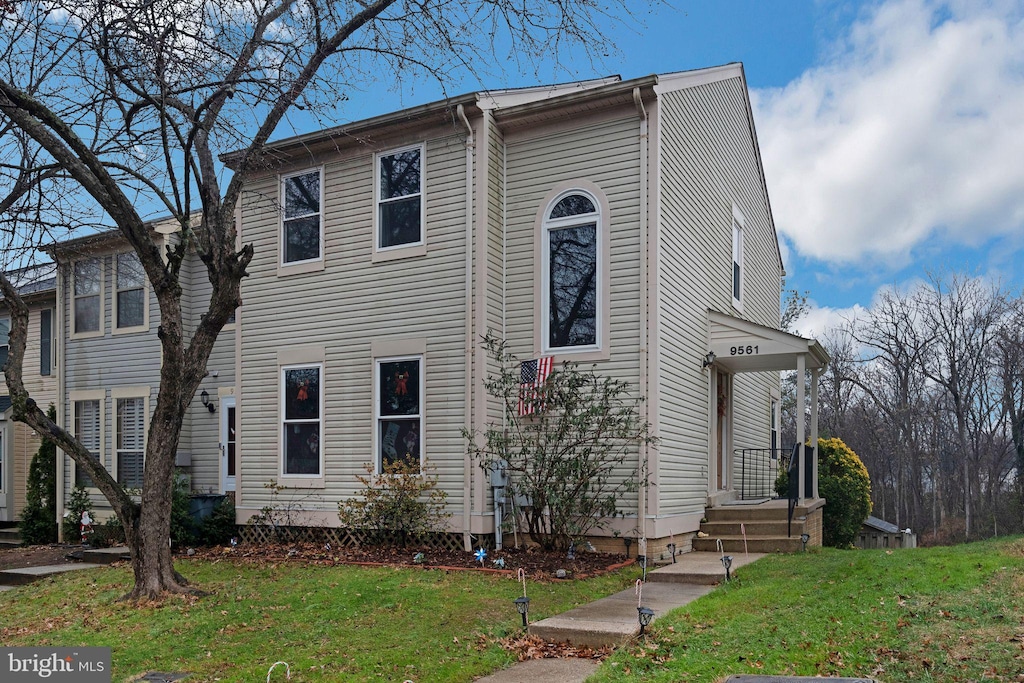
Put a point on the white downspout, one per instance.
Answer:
(57, 365)
(467, 465)
(641, 511)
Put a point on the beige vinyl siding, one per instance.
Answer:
(495, 255)
(708, 163)
(201, 427)
(43, 389)
(606, 154)
(344, 308)
(106, 362)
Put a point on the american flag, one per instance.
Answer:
(532, 375)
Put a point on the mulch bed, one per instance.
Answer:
(538, 564)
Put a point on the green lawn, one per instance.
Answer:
(940, 614)
(935, 614)
(329, 623)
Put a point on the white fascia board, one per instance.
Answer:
(501, 99)
(680, 80)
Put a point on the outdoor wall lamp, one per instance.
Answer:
(803, 539)
(205, 398)
(644, 615)
(709, 359)
(523, 607)
(727, 563)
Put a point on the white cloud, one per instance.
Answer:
(912, 131)
(818, 320)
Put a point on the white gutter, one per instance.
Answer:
(467, 465)
(644, 142)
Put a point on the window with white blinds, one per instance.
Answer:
(130, 441)
(87, 429)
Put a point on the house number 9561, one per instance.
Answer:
(742, 350)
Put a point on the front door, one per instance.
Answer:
(6, 477)
(722, 431)
(228, 450)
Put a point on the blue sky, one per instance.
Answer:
(892, 132)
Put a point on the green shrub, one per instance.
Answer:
(107, 534)
(844, 483)
(182, 529)
(78, 503)
(398, 505)
(219, 527)
(39, 518)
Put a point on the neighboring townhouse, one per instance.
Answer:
(110, 358)
(620, 223)
(19, 442)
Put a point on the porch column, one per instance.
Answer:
(814, 429)
(801, 437)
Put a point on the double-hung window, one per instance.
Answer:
(302, 419)
(130, 440)
(130, 298)
(571, 273)
(89, 432)
(399, 411)
(400, 198)
(302, 226)
(5, 334)
(88, 289)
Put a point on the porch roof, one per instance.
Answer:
(742, 346)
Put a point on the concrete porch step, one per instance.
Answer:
(700, 568)
(734, 544)
(754, 528)
(10, 536)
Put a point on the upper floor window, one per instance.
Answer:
(46, 341)
(399, 411)
(737, 259)
(400, 198)
(302, 417)
(87, 308)
(302, 228)
(5, 333)
(571, 272)
(130, 298)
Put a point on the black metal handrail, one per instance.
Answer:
(794, 485)
(759, 467)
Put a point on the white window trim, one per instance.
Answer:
(737, 257)
(309, 478)
(142, 392)
(102, 295)
(306, 265)
(410, 249)
(144, 327)
(89, 395)
(599, 350)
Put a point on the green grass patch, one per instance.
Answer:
(329, 623)
(929, 614)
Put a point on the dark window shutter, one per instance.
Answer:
(45, 341)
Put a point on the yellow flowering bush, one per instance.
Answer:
(844, 483)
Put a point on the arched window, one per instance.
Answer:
(572, 271)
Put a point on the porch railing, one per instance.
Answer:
(759, 468)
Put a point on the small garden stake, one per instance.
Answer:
(743, 530)
(523, 603)
(643, 614)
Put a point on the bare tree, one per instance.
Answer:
(138, 98)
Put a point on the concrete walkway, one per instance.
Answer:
(90, 559)
(613, 620)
